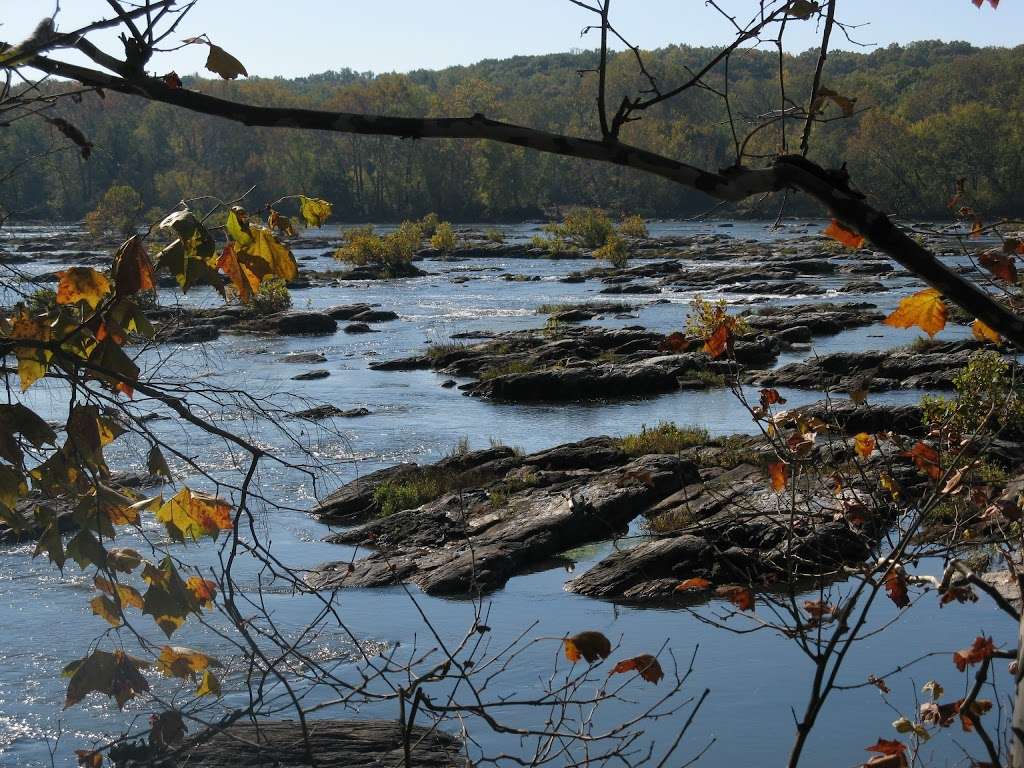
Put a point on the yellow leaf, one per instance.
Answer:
(179, 661)
(778, 471)
(82, 284)
(210, 685)
(925, 309)
(266, 247)
(864, 444)
(224, 64)
(190, 514)
(106, 608)
(314, 210)
(32, 361)
(983, 333)
(237, 226)
(128, 594)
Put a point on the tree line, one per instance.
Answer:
(928, 118)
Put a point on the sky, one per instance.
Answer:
(292, 38)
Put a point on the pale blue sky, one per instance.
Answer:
(297, 37)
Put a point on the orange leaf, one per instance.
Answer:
(891, 754)
(864, 444)
(1002, 265)
(926, 459)
(81, 284)
(981, 649)
(819, 609)
(896, 587)
(719, 341)
(240, 275)
(88, 758)
(646, 665)
(778, 471)
(692, 585)
(925, 309)
(741, 597)
(203, 589)
(771, 397)
(843, 234)
(587, 645)
(983, 333)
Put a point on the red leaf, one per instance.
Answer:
(896, 587)
(981, 649)
(646, 665)
(1002, 265)
(926, 459)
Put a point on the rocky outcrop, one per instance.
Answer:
(819, 319)
(334, 743)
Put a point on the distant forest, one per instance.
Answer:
(928, 114)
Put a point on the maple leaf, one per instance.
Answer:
(891, 754)
(645, 665)
(843, 234)
(778, 471)
(982, 332)
(133, 271)
(739, 596)
(179, 661)
(114, 674)
(925, 309)
(191, 514)
(314, 210)
(1002, 265)
(896, 587)
(588, 645)
(694, 585)
(209, 686)
(926, 459)
(81, 284)
(864, 444)
(981, 649)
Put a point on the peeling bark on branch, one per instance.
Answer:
(731, 184)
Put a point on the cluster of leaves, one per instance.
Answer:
(393, 251)
(593, 647)
(80, 334)
(712, 323)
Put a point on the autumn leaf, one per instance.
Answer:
(892, 752)
(280, 223)
(741, 597)
(983, 333)
(589, 645)
(123, 559)
(675, 342)
(89, 758)
(771, 397)
(314, 210)
(778, 472)
(933, 689)
(209, 685)
(114, 674)
(192, 515)
(925, 309)
(846, 104)
(981, 649)
(157, 464)
(843, 234)
(32, 361)
(819, 609)
(246, 283)
(1002, 265)
(114, 367)
(896, 587)
(278, 258)
(802, 9)
(906, 725)
(186, 663)
(167, 728)
(645, 665)
(107, 609)
(223, 63)
(203, 590)
(127, 594)
(81, 284)
(694, 585)
(133, 271)
(864, 444)
(719, 341)
(237, 226)
(926, 459)
(168, 599)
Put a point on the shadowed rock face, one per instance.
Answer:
(335, 743)
(464, 542)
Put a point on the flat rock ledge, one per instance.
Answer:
(333, 743)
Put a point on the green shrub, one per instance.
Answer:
(409, 492)
(555, 247)
(614, 251)
(985, 394)
(495, 235)
(587, 227)
(428, 224)
(506, 369)
(633, 226)
(118, 212)
(362, 246)
(667, 437)
(443, 239)
(271, 297)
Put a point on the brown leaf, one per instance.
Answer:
(896, 587)
(981, 649)
(224, 64)
(719, 341)
(925, 309)
(1002, 265)
(675, 342)
(845, 103)
(588, 645)
(646, 665)
(983, 333)
(133, 271)
(843, 234)
(739, 596)
(771, 397)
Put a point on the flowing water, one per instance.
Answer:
(755, 679)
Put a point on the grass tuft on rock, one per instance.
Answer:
(667, 437)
